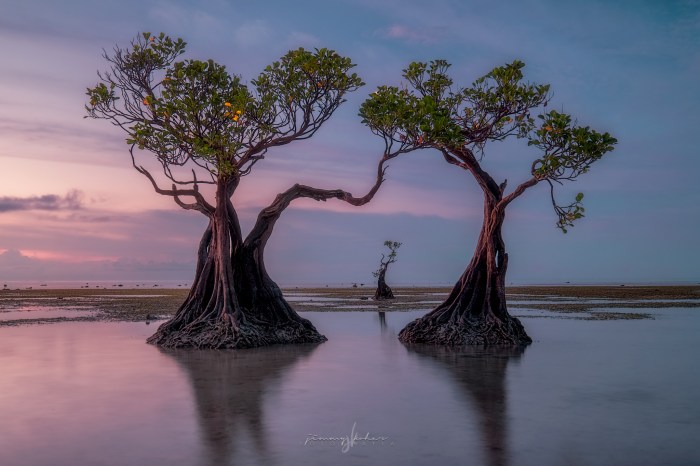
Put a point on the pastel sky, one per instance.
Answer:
(73, 208)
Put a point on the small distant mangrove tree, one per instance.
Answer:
(383, 290)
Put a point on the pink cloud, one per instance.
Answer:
(70, 257)
(399, 31)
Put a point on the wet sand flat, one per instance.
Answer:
(589, 302)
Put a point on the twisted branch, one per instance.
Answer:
(200, 203)
(269, 215)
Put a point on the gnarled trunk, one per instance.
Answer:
(232, 303)
(475, 312)
(383, 291)
(264, 302)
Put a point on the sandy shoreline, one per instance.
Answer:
(585, 302)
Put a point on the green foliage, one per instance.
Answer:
(302, 88)
(193, 111)
(200, 113)
(569, 150)
(568, 214)
(414, 118)
(430, 112)
(302, 77)
(393, 246)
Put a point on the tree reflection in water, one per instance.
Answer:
(231, 388)
(382, 321)
(480, 374)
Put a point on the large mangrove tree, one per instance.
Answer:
(459, 123)
(204, 130)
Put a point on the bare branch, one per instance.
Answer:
(200, 203)
(269, 215)
(451, 159)
(520, 189)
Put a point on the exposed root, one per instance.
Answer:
(222, 333)
(474, 331)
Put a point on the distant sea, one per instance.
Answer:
(101, 284)
(174, 284)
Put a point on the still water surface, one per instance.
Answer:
(585, 393)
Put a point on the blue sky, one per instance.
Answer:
(71, 206)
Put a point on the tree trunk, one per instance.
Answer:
(232, 302)
(383, 290)
(260, 296)
(475, 312)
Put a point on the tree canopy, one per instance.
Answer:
(195, 114)
(430, 112)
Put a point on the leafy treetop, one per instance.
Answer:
(459, 122)
(195, 113)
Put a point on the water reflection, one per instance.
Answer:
(231, 389)
(382, 321)
(480, 375)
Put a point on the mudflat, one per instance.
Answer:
(38, 306)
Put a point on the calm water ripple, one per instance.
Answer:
(586, 392)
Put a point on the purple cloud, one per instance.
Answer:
(73, 200)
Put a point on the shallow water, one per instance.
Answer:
(45, 312)
(311, 298)
(586, 392)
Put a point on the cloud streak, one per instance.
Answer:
(252, 33)
(402, 32)
(16, 265)
(73, 200)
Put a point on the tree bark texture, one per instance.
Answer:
(475, 312)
